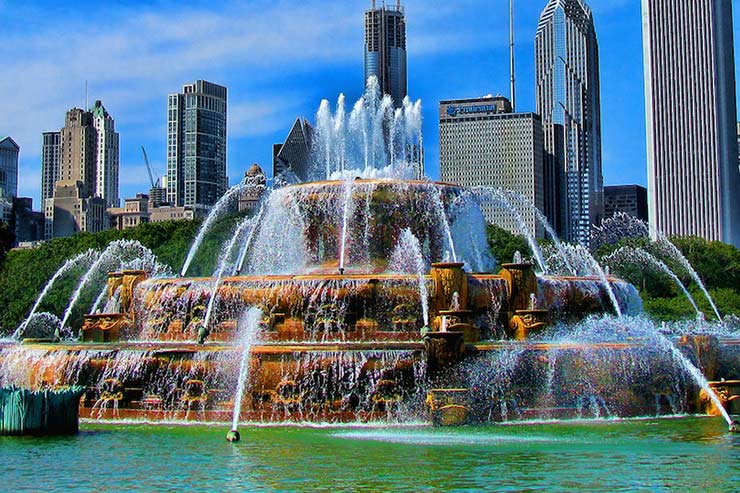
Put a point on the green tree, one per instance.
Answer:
(6, 239)
(717, 263)
(504, 244)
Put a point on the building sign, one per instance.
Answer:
(470, 110)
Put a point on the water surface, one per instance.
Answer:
(686, 454)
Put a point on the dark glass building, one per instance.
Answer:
(567, 74)
(292, 156)
(196, 145)
(628, 199)
(385, 49)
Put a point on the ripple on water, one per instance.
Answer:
(443, 438)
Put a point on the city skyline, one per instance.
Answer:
(451, 53)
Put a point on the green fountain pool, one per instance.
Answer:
(679, 454)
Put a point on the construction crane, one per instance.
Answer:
(149, 169)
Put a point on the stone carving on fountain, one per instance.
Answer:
(111, 327)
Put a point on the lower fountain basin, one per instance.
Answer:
(362, 381)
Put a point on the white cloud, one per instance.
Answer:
(134, 56)
(263, 116)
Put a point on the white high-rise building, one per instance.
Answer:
(693, 178)
(568, 99)
(106, 156)
(482, 143)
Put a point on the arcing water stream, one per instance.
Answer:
(81, 259)
(249, 326)
(637, 255)
(626, 226)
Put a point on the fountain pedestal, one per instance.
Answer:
(129, 280)
(444, 349)
(449, 278)
(526, 322)
(457, 321)
(727, 391)
(448, 407)
(522, 283)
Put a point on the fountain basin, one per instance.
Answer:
(359, 381)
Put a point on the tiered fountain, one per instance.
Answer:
(368, 296)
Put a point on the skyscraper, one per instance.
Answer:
(385, 49)
(8, 168)
(292, 156)
(482, 143)
(106, 155)
(693, 178)
(196, 145)
(87, 178)
(78, 144)
(50, 155)
(567, 74)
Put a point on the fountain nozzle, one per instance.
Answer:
(233, 436)
(735, 427)
(341, 271)
(202, 335)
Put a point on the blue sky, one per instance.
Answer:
(279, 58)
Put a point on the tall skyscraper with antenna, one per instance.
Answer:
(385, 49)
(567, 74)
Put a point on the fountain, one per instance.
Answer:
(375, 299)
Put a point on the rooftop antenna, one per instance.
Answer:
(511, 54)
(85, 108)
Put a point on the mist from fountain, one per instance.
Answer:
(605, 329)
(408, 258)
(249, 325)
(468, 226)
(81, 259)
(692, 370)
(444, 223)
(637, 255)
